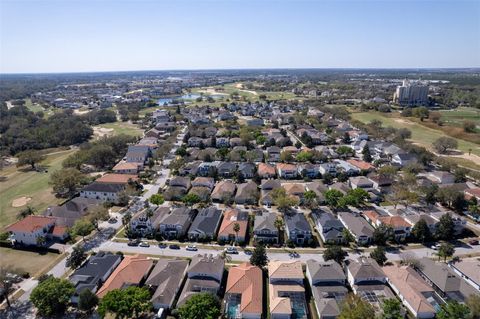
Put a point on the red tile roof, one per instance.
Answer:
(246, 280)
(361, 164)
(117, 178)
(31, 223)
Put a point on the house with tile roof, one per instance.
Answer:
(415, 294)
(266, 170)
(127, 168)
(288, 171)
(328, 284)
(230, 218)
(400, 227)
(29, 230)
(286, 290)
(132, 271)
(112, 178)
(244, 292)
(165, 281)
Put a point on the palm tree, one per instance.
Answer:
(236, 229)
(226, 257)
(279, 225)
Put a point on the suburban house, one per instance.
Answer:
(361, 165)
(122, 179)
(441, 177)
(127, 168)
(244, 292)
(297, 228)
(204, 274)
(205, 224)
(165, 281)
(328, 284)
(318, 188)
(36, 230)
(132, 271)
(224, 191)
(360, 182)
(266, 171)
(207, 182)
(247, 193)
(444, 280)
(247, 170)
(106, 192)
(138, 154)
(181, 182)
(468, 269)
(230, 218)
(264, 229)
(400, 227)
(266, 188)
(330, 228)
(143, 224)
(368, 280)
(295, 189)
(286, 290)
(357, 226)
(73, 210)
(419, 298)
(404, 159)
(93, 273)
(226, 169)
(176, 223)
(288, 171)
(328, 168)
(273, 153)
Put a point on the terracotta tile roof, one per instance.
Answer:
(265, 169)
(360, 164)
(116, 178)
(286, 167)
(59, 230)
(372, 215)
(31, 223)
(394, 221)
(411, 286)
(125, 166)
(131, 271)
(230, 217)
(285, 269)
(473, 192)
(246, 280)
(294, 188)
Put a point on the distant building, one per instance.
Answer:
(411, 93)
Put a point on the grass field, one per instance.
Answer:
(21, 261)
(122, 128)
(420, 134)
(15, 183)
(457, 116)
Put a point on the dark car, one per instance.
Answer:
(134, 242)
(473, 242)
(174, 246)
(163, 246)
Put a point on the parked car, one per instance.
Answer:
(294, 255)
(133, 242)
(231, 250)
(473, 242)
(144, 244)
(191, 248)
(112, 220)
(163, 246)
(248, 252)
(435, 247)
(174, 246)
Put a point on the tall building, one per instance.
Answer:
(411, 93)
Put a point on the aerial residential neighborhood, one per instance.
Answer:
(227, 159)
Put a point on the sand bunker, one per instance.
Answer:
(21, 201)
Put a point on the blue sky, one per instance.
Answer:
(79, 36)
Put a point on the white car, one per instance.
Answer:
(435, 247)
(144, 244)
(231, 250)
(191, 248)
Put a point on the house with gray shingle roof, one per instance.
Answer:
(297, 228)
(176, 223)
(328, 284)
(357, 226)
(205, 225)
(329, 227)
(264, 229)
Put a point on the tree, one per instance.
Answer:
(354, 307)
(345, 151)
(453, 310)
(443, 144)
(157, 199)
(286, 157)
(378, 254)
(347, 235)
(87, 300)
(421, 231)
(27, 211)
(334, 253)
(77, 257)
(191, 199)
(332, 197)
(282, 200)
(259, 256)
(421, 112)
(473, 303)
(30, 158)
(6, 284)
(448, 195)
(380, 235)
(367, 156)
(82, 227)
(52, 296)
(279, 224)
(130, 302)
(202, 305)
(97, 214)
(445, 227)
(310, 198)
(392, 309)
(469, 126)
(66, 181)
(445, 251)
(236, 229)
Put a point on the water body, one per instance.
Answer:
(189, 96)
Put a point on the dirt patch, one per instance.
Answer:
(239, 85)
(80, 112)
(21, 201)
(102, 131)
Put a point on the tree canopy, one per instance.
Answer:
(201, 305)
(130, 302)
(52, 296)
(259, 256)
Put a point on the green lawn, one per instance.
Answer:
(15, 183)
(122, 128)
(457, 116)
(21, 261)
(420, 134)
